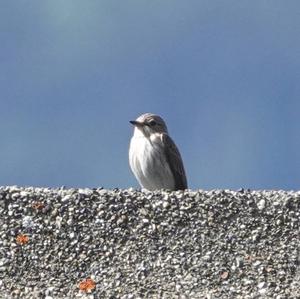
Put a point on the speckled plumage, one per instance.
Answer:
(154, 157)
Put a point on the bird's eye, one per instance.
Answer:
(152, 123)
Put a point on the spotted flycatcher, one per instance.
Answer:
(153, 156)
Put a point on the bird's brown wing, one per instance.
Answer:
(175, 162)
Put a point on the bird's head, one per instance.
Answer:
(148, 124)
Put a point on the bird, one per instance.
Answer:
(153, 156)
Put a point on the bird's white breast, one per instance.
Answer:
(149, 164)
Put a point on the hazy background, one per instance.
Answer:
(225, 75)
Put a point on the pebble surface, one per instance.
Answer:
(133, 244)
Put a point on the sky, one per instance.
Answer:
(225, 76)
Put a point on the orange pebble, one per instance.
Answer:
(22, 239)
(87, 285)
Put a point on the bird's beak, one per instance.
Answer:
(136, 123)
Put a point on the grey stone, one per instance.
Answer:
(161, 244)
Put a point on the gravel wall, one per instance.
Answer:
(131, 244)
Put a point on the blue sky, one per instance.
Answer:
(223, 74)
